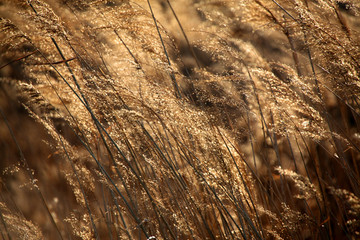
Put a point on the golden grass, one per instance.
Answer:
(180, 119)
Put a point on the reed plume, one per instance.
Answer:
(180, 119)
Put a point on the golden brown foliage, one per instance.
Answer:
(180, 119)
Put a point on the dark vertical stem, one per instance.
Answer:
(172, 76)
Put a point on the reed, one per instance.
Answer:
(180, 119)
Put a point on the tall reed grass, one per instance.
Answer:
(180, 119)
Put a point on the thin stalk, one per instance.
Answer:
(30, 174)
(172, 76)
